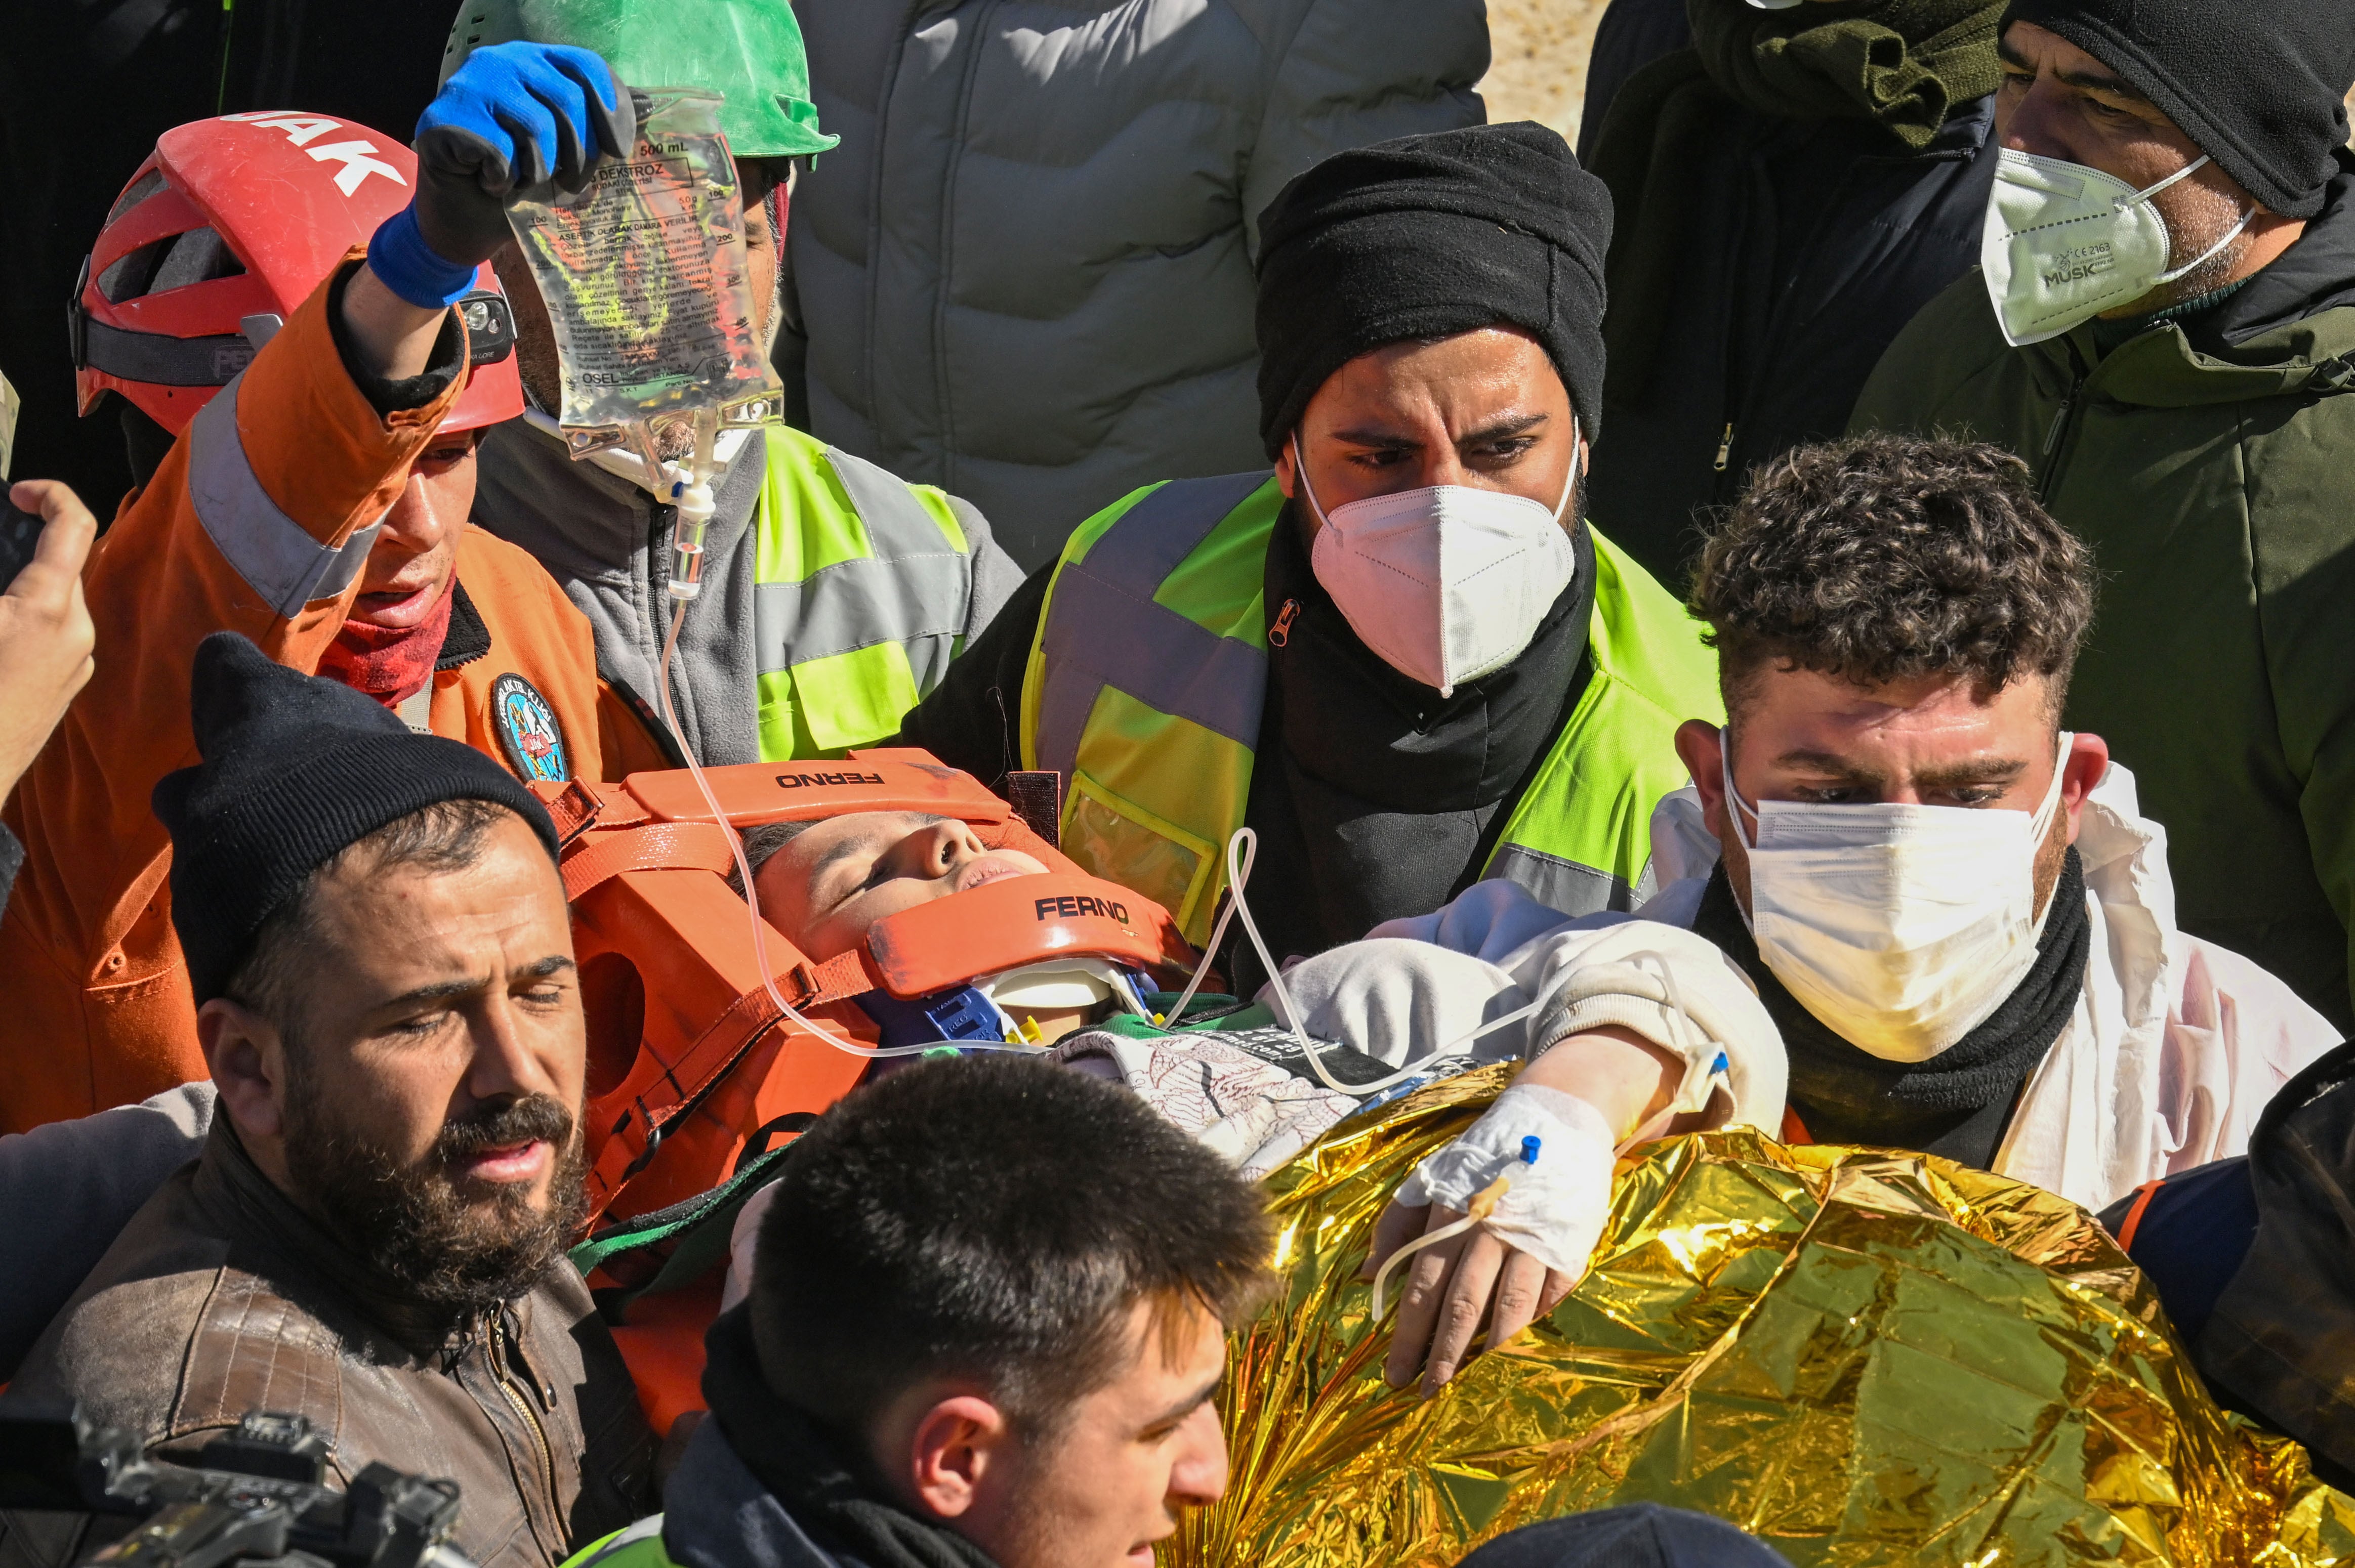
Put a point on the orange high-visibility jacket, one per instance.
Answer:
(253, 524)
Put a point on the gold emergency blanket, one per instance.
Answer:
(1864, 1357)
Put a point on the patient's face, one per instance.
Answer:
(829, 885)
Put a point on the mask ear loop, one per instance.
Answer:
(1300, 467)
(2147, 192)
(1735, 805)
(2051, 806)
(2041, 827)
(1733, 800)
(1569, 485)
(2231, 234)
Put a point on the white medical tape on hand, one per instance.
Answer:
(1555, 1209)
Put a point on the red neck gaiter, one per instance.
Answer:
(390, 665)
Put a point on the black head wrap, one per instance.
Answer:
(1424, 236)
(2258, 85)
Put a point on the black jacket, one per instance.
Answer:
(1809, 245)
(2282, 1336)
(763, 1486)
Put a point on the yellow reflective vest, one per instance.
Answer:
(639, 1546)
(1149, 669)
(862, 587)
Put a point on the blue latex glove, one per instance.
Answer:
(515, 119)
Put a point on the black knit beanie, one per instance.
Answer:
(2258, 85)
(295, 770)
(1634, 1535)
(1427, 236)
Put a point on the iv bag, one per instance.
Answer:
(647, 284)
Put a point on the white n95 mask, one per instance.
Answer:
(1447, 583)
(2064, 243)
(1902, 928)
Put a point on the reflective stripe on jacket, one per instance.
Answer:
(259, 521)
(1149, 669)
(862, 588)
(639, 1546)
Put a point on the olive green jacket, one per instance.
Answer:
(2214, 477)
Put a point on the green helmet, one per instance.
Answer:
(749, 49)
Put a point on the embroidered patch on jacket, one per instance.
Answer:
(529, 732)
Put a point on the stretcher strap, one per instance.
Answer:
(638, 1136)
(838, 979)
(2133, 1222)
(666, 846)
(574, 811)
(680, 1222)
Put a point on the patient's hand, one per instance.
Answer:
(1622, 1083)
(1450, 1287)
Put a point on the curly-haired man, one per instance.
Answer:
(1958, 919)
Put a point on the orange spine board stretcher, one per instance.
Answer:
(689, 1065)
(687, 1058)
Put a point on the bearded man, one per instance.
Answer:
(372, 1236)
(2163, 329)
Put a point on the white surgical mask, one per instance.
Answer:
(1899, 926)
(2064, 243)
(1446, 583)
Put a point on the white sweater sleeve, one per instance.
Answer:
(1678, 990)
(1402, 998)
(1489, 920)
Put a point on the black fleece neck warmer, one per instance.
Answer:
(1375, 797)
(2258, 85)
(1957, 1104)
(803, 1465)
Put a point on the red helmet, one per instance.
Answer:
(222, 233)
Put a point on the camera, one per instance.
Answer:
(257, 1497)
